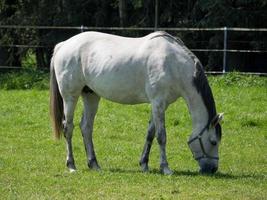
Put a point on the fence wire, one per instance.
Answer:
(82, 28)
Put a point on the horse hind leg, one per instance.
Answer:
(69, 107)
(91, 102)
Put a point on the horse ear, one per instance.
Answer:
(216, 120)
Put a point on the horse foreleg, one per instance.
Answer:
(149, 140)
(158, 110)
(90, 108)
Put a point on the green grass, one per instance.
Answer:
(32, 164)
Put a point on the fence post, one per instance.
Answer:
(156, 15)
(82, 28)
(225, 50)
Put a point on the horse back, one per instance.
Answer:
(124, 70)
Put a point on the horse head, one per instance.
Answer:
(205, 146)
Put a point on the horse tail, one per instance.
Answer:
(56, 101)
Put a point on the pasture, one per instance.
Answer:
(32, 163)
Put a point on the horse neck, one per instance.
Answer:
(200, 100)
(198, 111)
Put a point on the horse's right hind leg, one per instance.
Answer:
(69, 106)
(90, 101)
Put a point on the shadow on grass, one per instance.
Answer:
(221, 175)
(218, 175)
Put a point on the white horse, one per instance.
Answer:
(155, 69)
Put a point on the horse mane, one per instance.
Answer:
(200, 80)
(165, 34)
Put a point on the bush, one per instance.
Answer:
(25, 79)
(29, 61)
(36, 79)
(239, 80)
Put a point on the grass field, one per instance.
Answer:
(32, 164)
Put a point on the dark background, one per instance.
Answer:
(137, 13)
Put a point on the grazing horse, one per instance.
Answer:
(156, 69)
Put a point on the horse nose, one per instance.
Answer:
(208, 169)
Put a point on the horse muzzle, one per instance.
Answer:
(207, 166)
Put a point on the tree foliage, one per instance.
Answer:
(135, 13)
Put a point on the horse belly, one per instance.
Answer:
(121, 86)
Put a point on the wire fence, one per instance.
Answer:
(225, 49)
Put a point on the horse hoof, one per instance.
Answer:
(144, 167)
(72, 170)
(71, 166)
(166, 171)
(95, 168)
(94, 165)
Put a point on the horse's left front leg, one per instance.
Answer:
(158, 110)
(149, 140)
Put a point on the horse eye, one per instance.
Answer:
(213, 142)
